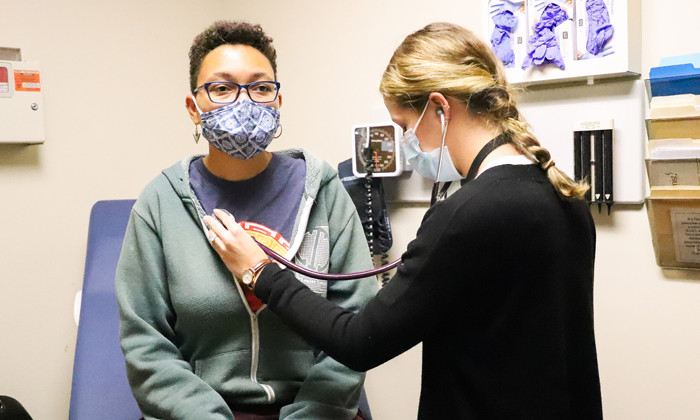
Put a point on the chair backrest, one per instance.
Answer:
(100, 389)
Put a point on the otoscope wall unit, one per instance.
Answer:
(593, 160)
(552, 41)
(21, 99)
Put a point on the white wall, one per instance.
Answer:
(114, 79)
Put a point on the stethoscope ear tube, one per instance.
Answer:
(326, 276)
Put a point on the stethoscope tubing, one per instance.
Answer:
(327, 276)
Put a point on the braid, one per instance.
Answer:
(527, 144)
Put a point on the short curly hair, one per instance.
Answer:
(224, 32)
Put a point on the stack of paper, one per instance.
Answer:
(675, 116)
(675, 106)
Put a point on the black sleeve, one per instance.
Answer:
(402, 314)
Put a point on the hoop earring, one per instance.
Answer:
(196, 134)
(280, 131)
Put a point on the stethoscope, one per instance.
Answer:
(438, 194)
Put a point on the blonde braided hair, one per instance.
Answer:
(452, 60)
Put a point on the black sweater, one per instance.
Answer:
(498, 285)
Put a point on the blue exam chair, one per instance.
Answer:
(100, 389)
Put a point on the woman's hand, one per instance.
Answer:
(235, 247)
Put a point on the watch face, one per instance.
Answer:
(247, 277)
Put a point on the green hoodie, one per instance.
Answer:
(193, 347)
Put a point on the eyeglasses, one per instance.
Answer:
(227, 92)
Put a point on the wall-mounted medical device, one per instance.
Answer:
(376, 154)
(593, 160)
(376, 148)
(21, 103)
(547, 41)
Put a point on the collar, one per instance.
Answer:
(507, 160)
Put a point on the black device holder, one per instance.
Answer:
(593, 162)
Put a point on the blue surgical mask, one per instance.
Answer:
(242, 129)
(428, 164)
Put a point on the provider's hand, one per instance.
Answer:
(235, 247)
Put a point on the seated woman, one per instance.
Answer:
(197, 345)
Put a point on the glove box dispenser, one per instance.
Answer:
(21, 104)
(553, 41)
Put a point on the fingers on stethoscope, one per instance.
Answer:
(221, 228)
(226, 218)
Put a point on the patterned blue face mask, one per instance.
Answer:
(242, 129)
(436, 165)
